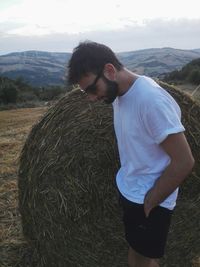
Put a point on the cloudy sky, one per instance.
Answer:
(124, 25)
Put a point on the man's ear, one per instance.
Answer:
(109, 71)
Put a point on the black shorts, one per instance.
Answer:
(147, 236)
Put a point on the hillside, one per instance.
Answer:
(46, 68)
(188, 73)
(36, 67)
(158, 61)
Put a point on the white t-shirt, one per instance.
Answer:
(143, 117)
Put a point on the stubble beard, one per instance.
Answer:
(112, 91)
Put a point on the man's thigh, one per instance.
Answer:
(147, 236)
(136, 259)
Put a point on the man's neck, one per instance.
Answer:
(126, 78)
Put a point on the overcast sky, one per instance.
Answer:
(124, 25)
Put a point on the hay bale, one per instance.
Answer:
(67, 194)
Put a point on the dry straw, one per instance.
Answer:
(67, 194)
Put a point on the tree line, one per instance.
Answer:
(18, 91)
(189, 73)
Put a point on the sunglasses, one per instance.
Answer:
(91, 89)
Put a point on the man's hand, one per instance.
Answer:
(150, 201)
(182, 162)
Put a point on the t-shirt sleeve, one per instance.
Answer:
(161, 118)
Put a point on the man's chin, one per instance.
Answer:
(111, 95)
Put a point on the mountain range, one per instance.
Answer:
(41, 68)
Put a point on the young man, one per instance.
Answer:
(154, 154)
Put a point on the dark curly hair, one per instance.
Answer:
(90, 57)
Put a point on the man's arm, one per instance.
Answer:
(182, 162)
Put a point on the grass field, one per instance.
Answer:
(14, 128)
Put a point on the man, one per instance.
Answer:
(154, 154)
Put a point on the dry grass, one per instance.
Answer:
(14, 128)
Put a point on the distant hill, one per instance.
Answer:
(156, 62)
(197, 50)
(36, 67)
(49, 68)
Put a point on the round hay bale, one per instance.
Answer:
(67, 193)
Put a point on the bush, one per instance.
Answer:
(194, 76)
(50, 93)
(8, 92)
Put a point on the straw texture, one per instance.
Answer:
(67, 194)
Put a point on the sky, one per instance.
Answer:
(124, 25)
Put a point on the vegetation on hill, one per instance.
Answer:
(189, 73)
(20, 93)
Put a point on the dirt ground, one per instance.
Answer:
(14, 128)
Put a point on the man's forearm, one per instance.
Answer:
(182, 162)
(171, 178)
